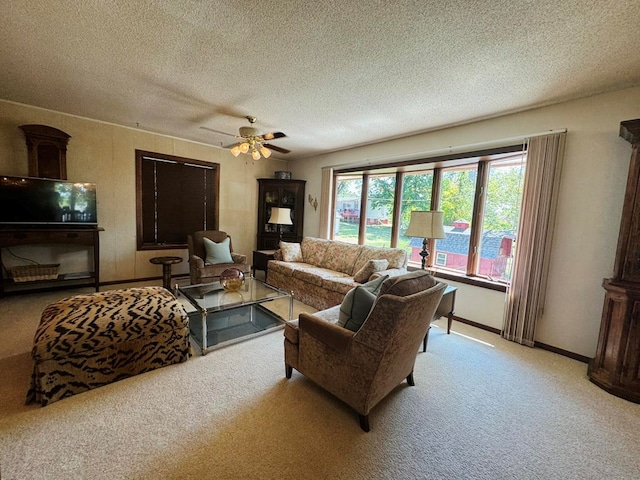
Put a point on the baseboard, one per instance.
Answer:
(477, 325)
(560, 351)
(542, 346)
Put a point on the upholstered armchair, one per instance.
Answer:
(362, 367)
(205, 265)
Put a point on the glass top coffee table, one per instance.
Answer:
(221, 318)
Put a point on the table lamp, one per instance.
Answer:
(425, 225)
(279, 217)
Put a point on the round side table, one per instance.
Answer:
(166, 263)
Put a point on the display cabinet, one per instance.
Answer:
(616, 366)
(282, 194)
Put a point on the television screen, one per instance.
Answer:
(26, 200)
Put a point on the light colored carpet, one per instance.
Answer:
(482, 408)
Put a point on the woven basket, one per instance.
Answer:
(30, 273)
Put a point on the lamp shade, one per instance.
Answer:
(266, 153)
(281, 216)
(426, 224)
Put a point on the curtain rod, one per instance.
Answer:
(503, 142)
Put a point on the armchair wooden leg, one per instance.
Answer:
(288, 370)
(424, 340)
(364, 422)
(410, 380)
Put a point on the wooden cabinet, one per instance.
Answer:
(10, 237)
(283, 194)
(47, 151)
(616, 366)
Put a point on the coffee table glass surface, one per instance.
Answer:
(220, 317)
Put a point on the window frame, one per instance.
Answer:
(481, 158)
(210, 191)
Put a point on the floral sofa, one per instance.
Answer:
(320, 272)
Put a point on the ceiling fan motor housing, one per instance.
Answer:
(249, 132)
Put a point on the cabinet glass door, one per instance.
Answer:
(271, 199)
(289, 201)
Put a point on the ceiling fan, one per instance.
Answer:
(253, 141)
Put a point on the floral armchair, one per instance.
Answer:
(205, 245)
(362, 367)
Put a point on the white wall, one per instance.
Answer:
(105, 154)
(591, 196)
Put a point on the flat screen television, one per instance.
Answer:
(41, 201)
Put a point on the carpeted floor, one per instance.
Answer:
(482, 408)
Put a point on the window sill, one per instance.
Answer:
(466, 279)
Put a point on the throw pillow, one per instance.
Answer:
(291, 252)
(357, 304)
(408, 284)
(371, 267)
(217, 252)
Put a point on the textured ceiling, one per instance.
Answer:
(330, 74)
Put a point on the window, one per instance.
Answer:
(416, 195)
(379, 212)
(500, 218)
(457, 193)
(174, 197)
(480, 194)
(348, 193)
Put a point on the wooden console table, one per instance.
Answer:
(446, 308)
(14, 236)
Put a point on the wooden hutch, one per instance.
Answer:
(282, 194)
(616, 366)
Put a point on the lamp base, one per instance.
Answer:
(424, 253)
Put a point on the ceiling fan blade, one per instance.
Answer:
(273, 135)
(276, 149)
(218, 131)
(232, 145)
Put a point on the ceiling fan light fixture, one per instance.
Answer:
(266, 153)
(251, 141)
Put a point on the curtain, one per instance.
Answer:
(526, 294)
(325, 203)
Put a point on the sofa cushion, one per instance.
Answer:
(286, 268)
(313, 249)
(313, 275)
(217, 252)
(357, 304)
(407, 284)
(341, 256)
(397, 257)
(371, 267)
(339, 284)
(330, 315)
(291, 252)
